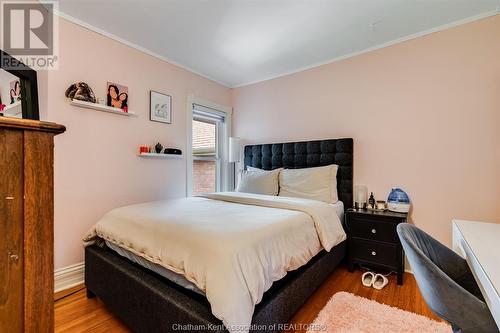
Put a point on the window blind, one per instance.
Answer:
(206, 114)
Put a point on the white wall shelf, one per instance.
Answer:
(161, 155)
(100, 107)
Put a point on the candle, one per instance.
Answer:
(360, 196)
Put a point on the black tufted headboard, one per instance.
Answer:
(306, 154)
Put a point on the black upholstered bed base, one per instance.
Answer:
(147, 302)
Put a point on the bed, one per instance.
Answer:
(149, 301)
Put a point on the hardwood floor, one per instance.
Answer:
(406, 297)
(76, 313)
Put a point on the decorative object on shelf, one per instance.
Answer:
(398, 201)
(158, 151)
(158, 148)
(371, 201)
(381, 205)
(81, 92)
(172, 151)
(360, 196)
(117, 96)
(160, 107)
(101, 100)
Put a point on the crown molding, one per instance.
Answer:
(275, 76)
(450, 25)
(134, 46)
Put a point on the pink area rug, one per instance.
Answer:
(348, 313)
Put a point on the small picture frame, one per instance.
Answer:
(117, 96)
(160, 107)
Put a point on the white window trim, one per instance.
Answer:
(228, 112)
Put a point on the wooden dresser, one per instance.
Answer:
(26, 225)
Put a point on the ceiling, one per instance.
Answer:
(237, 42)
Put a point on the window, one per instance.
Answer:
(204, 157)
(207, 165)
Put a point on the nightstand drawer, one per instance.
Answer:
(373, 230)
(375, 252)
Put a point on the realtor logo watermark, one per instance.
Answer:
(29, 33)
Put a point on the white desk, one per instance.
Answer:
(479, 244)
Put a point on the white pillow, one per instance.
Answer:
(310, 183)
(259, 181)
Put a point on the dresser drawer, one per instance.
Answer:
(375, 252)
(373, 230)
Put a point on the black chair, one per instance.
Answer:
(446, 282)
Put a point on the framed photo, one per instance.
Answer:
(160, 107)
(117, 96)
(27, 87)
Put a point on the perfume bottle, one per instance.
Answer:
(371, 201)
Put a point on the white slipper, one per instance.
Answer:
(367, 279)
(380, 281)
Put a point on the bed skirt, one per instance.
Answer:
(148, 302)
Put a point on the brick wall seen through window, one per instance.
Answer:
(204, 164)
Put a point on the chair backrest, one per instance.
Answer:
(445, 281)
(442, 258)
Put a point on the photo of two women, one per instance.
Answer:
(117, 96)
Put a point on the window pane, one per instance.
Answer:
(204, 177)
(204, 157)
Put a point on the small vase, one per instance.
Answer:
(158, 148)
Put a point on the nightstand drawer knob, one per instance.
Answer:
(374, 253)
(374, 231)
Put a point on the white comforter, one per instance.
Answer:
(232, 246)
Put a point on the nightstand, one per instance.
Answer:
(373, 241)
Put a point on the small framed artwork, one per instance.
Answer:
(160, 107)
(117, 96)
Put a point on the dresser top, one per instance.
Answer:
(32, 125)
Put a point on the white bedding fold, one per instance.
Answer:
(232, 246)
(330, 233)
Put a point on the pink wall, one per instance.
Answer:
(96, 167)
(424, 114)
(440, 94)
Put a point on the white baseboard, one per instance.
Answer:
(68, 277)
